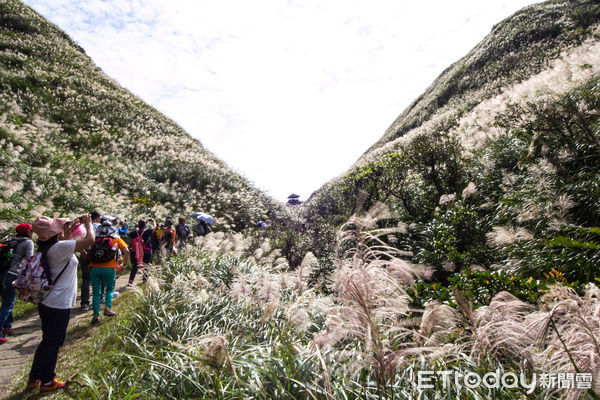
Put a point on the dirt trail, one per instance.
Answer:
(17, 352)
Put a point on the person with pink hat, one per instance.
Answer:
(59, 261)
(22, 247)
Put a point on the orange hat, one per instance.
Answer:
(46, 227)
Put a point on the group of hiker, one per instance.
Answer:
(105, 245)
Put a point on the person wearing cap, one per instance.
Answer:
(58, 254)
(105, 272)
(23, 249)
(108, 218)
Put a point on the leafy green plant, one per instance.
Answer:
(479, 287)
(455, 236)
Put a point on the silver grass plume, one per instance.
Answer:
(568, 335)
(439, 321)
(500, 331)
(369, 285)
(560, 337)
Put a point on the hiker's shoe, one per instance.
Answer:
(109, 313)
(3, 340)
(33, 385)
(129, 286)
(95, 320)
(54, 385)
(7, 332)
(116, 294)
(85, 307)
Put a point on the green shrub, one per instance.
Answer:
(455, 236)
(479, 287)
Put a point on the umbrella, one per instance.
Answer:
(203, 217)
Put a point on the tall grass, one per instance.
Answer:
(216, 327)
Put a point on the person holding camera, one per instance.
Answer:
(58, 257)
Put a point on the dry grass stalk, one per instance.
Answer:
(500, 331)
(561, 337)
(439, 321)
(369, 286)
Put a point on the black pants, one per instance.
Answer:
(134, 268)
(169, 250)
(85, 280)
(54, 330)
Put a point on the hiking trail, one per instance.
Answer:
(18, 351)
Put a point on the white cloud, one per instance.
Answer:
(287, 92)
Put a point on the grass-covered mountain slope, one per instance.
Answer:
(515, 50)
(469, 245)
(72, 140)
(496, 166)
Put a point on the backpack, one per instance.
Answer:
(199, 230)
(182, 230)
(32, 283)
(202, 229)
(167, 235)
(102, 251)
(138, 247)
(154, 240)
(7, 249)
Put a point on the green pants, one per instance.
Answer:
(97, 276)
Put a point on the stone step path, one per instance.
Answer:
(17, 352)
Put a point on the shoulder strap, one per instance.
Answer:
(61, 272)
(20, 241)
(49, 272)
(57, 277)
(13, 242)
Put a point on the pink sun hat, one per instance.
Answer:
(46, 227)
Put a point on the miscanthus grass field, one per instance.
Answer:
(493, 271)
(208, 325)
(464, 244)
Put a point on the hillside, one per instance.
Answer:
(72, 140)
(496, 164)
(517, 49)
(464, 244)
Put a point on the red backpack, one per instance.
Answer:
(138, 246)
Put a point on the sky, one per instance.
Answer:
(288, 93)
